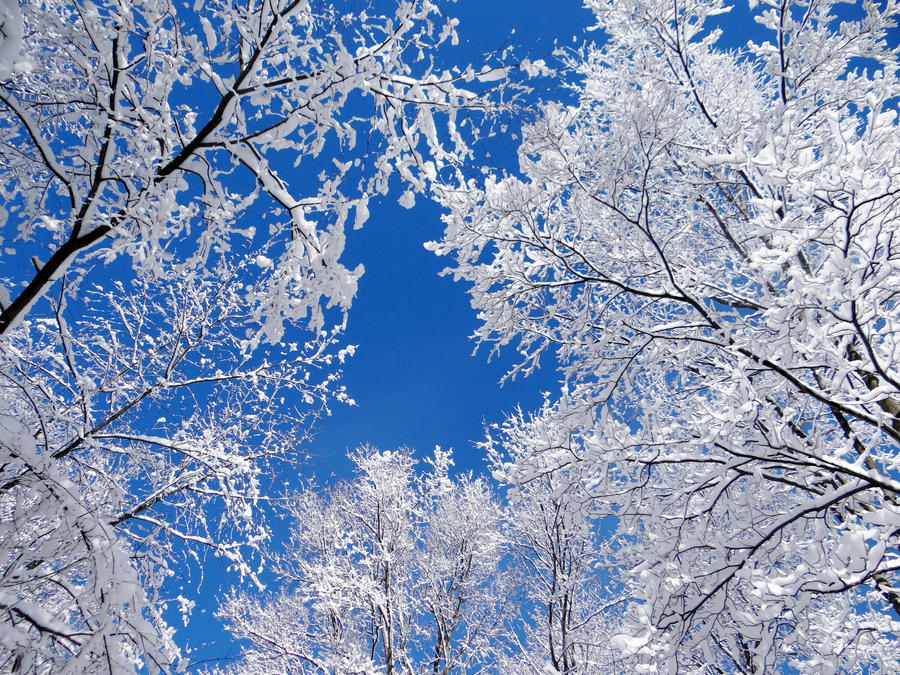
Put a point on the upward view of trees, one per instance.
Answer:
(704, 239)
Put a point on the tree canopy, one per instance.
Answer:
(700, 236)
(706, 242)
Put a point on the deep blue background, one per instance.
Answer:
(414, 378)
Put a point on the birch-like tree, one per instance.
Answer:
(175, 183)
(392, 571)
(706, 239)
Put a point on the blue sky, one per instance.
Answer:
(414, 377)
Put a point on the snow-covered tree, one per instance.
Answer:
(175, 183)
(708, 241)
(391, 571)
(567, 604)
